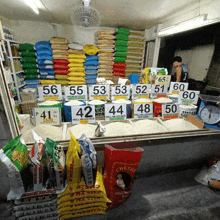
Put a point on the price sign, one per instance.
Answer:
(170, 111)
(115, 112)
(50, 92)
(99, 92)
(140, 91)
(143, 111)
(159, 91)
(176, 87)
(163, 80)
(50, 116)
(75, 92)
(120, 92)
(188, 97)
(83, 114)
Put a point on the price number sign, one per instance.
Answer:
(140, 91)
(50, 92)
(159, 91)
(51, 116)
(176, 87)
(83, 114)
(170, 111)
(99, 92)
(163, 80)
(189, 97)
(120, 92)
(115, 112)
(75, 92)
(142, 111)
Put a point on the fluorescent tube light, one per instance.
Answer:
(186, 25)
(31, 4)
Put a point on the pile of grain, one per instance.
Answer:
(179, 125)
(148, 127)
(163, 100)
(73, 102)
(78, 130)
(119, 129)
(44, 131)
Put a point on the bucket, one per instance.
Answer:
(184, 110)
(157, 104)
(99, 108)
(67, 108)
(174, 98)
(134, 78)
(128, 105)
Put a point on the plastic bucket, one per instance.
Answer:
(67, 109)
(128, 105)
(157, 105)
(99, 108)
(184, 110)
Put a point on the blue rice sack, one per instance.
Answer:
(50, 62)
(43, 45)
(43, 67)
(45, 51)
(91, 63)
(47, 72)
(44, 57)
(91, 71)
(47, 77)
(90, 58)
(32, 81)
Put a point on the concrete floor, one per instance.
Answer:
(169, 196)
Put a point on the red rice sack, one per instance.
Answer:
(120, 168)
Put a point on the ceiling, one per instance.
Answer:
(133, 14)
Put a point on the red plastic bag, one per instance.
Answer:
(119, 69)
(119, 65)
(118, 73)
(61, 66)
(61, 72)
(56, 61)
(120, 168)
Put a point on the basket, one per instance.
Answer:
(27, 106)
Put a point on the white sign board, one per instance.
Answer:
(142, 111)
(170, 111)
(176, 87)
(159, 91)
(99, 92)
(50, 116)
(120, 92)
(140, 91)
(50, 92)
(163, 80)
(115, 112)
(83, 114)
(188, 97)
(76, 92)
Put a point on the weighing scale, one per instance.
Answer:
(209, 112)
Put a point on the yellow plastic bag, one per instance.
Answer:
(91, 49)
(77, 56)
(75, 65)
(73, 74)
(61, 76)
(77, 83)
(46, 81)
(76, 60)
(62, 82)
(76, 69)
(72, 78)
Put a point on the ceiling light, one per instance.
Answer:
(31, 3)
(194, 23)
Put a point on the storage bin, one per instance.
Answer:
(134, 78)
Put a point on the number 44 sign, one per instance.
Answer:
(115, 112)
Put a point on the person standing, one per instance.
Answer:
(181, 74)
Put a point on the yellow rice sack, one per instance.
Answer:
(46, 81)
(75, 65)
(76, 69)
(73, 74)
(61, 76)
(77, 56)
(90, 49)
(72, 78)
(76, 60)
(62, 82)
(77, 83)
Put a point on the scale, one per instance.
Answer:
(209, 112)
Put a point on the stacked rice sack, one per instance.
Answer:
(120, 52)
(29, 65)
(60, 55)
(86, 195)
(105, 40)
(45, 62)
(76, 58)
(135, 52)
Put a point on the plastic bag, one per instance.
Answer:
(62, 82)
(47, 72)
(120, 168)
(29, 47)
(75, 65)
(59, 46)
(77, 83)
(72, 78)
(123, 31)
(30, 71)
(60, 56)
(61, 77)
(29, 66)
(91, 63)
(60, 66)
(45, 51)
(100, 130)
(74, 74)
(120, 54)
(27, 53)
(76, 69)
(90, 58)
(77, 56)
(91, 71)
(45, 67)
(76, 51)
(44, 57)
(60, 52)
(61, 72)
(58, 40)
(45, 62)
(34, 76)
(28, 60)
(76, 60)
(61, 61)
(43, 45)
(47, 77)
(91, 49)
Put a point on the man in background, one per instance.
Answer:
(181, 74)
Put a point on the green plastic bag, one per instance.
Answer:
(29, 66)
(123, 31)
(120, 54)
(121, 37)
(28, 60)
(121, 43)
(120, 49)
(26, 47)
(30, 71)
(34, 76)
(27, 54)
(119, 60)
